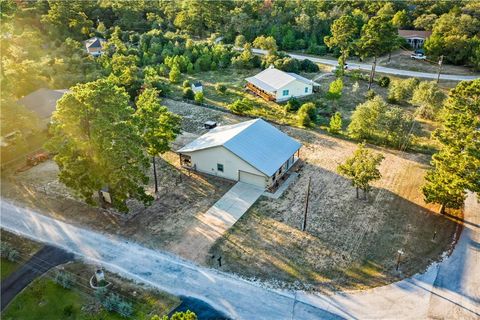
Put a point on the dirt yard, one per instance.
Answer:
(348, 243)
(181, 197)
(401, 60)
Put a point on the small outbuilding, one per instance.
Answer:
(253, 151)
(42, 102)
(197, 87)
(94, 46)
(415, 38)
(276, 85)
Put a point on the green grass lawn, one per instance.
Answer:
(7, 267)
(45, 299)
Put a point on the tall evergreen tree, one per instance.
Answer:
(456, 167)
(157, 126)
(96, 144)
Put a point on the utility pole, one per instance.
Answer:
(440, 62)
(304, 225)
(372, 73)
(155, 174)
(400, 252)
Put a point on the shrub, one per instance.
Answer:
(335, 89)
(428, 98)
(8, 252)
(113, 302)
(187, 84)
(308, 66)
(198, 97)
(64, 279)
(174, 74)
(304, 119)
(100, 294)
(68, 310)
(384, 81)
(220, 87)
(335, 123)
(306, 115)
(188, 94)
(292, 105)
(317, 49)
(241, 106)
(310, 109)
(370, 94)
(402, 90)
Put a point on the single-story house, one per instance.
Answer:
(415, 38)
(43, 102)
(253, 151)
(197, 87)
(276, 85)
(94, 46)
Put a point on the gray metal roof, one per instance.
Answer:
(272, 79)
(43, 101)
(256, 142)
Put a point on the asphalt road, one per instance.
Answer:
(414, 298)
(368, 67)
(42, 261)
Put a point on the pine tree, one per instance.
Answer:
(456, 167)
(156, 125)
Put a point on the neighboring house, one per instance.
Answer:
(254, 152)
(277, 85)
(94, 46)
(43, 103)
(197, 87)
(415, 38)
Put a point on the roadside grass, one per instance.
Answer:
(45, 299)
(349, 244)
(26, 248)
(7, 267)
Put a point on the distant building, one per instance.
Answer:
(43, 103)
(253, 152)
(415, 38)
(276, 85)
(197, 87)
(94, 46)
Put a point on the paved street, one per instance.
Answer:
(442, 291)
(368, 67)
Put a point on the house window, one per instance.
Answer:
(285, 92)
(306, 89)
(220, 167)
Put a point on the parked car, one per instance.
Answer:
(337, 67)
(418, 56)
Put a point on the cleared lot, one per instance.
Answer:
(348, 243)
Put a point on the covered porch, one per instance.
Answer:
(262, 93)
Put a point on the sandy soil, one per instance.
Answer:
(182, 196)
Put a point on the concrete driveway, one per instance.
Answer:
(447, 290)
(213, 223)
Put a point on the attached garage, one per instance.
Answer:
(252, 178)
(253, 152)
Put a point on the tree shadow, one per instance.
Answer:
(348, 244)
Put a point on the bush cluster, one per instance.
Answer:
(64, 279)
(8, 252)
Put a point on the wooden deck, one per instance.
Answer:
(265, 95)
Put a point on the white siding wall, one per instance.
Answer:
(206, 161)
(295, 89)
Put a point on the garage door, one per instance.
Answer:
(251, 178)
